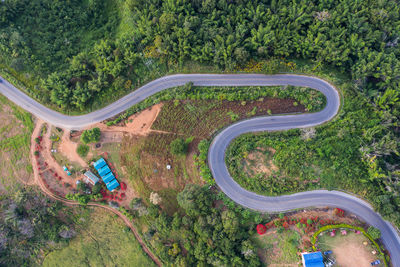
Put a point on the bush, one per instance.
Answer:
(96, 189)
(374, 232)
(178, 147)
(82, 150)
(90, 136)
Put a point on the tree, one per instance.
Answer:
(155, 198)
(178, 147)
(91, 136)
(81, 186)
(375, 233)
(195, 200)
(230, 222)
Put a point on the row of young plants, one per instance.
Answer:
(313, 100)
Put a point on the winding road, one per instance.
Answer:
(216, 155)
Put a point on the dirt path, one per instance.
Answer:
(46, 153)
(68, 149)
(45, 190)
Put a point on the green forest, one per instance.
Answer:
(81, 53)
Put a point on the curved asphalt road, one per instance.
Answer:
(216, 155)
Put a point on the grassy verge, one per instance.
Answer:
(311, 99)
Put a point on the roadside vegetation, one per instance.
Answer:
(311, 99)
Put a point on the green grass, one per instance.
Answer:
(285, 244)
(103, 241)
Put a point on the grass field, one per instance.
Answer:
(15, 132)
(279, 248)
(103, 241)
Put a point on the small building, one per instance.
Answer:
(104, 171)
(91, 178)
(99, 164)
(112, 185)
(313, 259)
(108, 178)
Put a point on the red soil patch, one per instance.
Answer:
(137, 124)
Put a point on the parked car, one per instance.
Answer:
(375, 262)
(328, 252)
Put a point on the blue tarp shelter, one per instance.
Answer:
(104, 171)
(112, 185)
(99, 164)
(108, 178)
(313, 259)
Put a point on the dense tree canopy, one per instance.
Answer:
(204, 234)
(357, 37)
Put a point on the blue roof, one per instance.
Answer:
(99, 164)
(108, 178)
(112, 185)
(314, 259)
(104, 171)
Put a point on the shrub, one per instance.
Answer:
(374, 232)
(261, 229)
(178, 147)
(82, 150)
(91, 136)
(96, 189)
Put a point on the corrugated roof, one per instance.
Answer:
(108, 178)
(104, 171)
(112, 185)
(99, 164)
(92, 177)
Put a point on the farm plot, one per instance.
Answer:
(202, 118)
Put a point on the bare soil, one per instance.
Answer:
(137, 124)
(350, 250)
(257, 162)
(68, 148)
